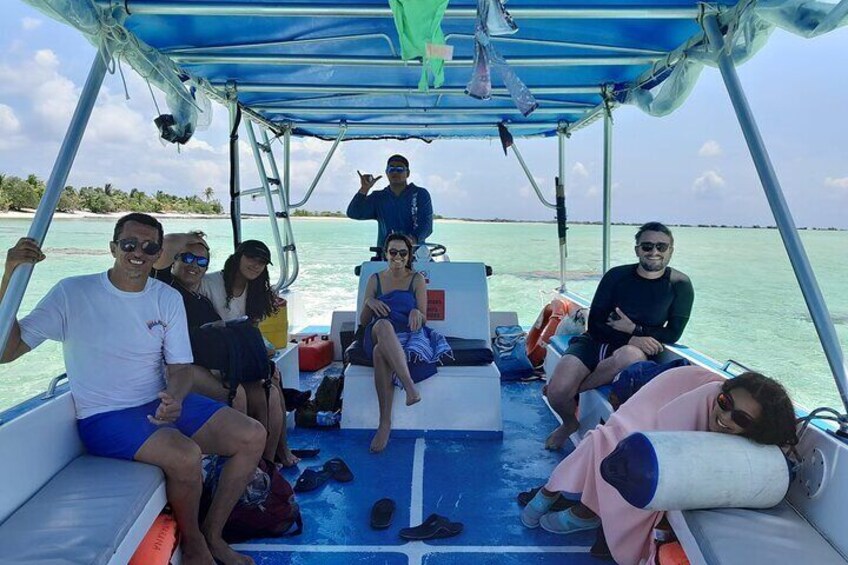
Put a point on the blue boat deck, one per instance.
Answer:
(472, 481)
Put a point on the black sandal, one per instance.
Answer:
(382, 513)
(434, 527)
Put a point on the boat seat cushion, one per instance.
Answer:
(466, 353)
(737, 536)
(78, 516)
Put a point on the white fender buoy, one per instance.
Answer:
(689, 470)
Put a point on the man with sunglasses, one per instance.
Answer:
(129, 362)
(401, 207)
(636, 309)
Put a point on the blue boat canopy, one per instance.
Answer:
(310, 67)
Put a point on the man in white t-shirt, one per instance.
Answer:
(128, 357)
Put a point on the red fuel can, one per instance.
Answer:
(314, 353)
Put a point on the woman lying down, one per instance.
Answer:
(684, 399)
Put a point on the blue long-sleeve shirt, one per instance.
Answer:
(409, 213)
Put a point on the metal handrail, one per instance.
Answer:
(54, 384)
(732, 363)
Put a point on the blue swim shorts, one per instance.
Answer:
(121, 433)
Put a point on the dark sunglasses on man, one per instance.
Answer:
(129, 244)
(648, 246)
(390, 170)
(740, 418)
(188, 258)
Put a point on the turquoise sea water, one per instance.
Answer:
(747, 304)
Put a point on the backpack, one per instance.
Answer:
(327, 401)
(238, 351)
(266, 509)
(510, 349)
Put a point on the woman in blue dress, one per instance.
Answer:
(404, 351)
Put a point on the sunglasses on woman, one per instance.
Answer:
(129, 244)
(648, 246)
(188, 258)
(740, 418)
(395, 252)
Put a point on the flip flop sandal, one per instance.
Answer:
(305, 453)
(382, 513)
(566, 522)
(434, 527)
(559, 504)
(339, 470)
(311, 479)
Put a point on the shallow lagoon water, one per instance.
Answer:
(747, 304)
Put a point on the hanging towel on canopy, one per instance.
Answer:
(494, 20)
(419, 23)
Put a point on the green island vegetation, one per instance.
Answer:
(23, 194)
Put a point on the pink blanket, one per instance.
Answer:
(677, 400)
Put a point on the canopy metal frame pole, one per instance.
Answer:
(291, 262)
(560, 201)
(53, 191)
(530, 176)
(607, 188)
(235, 173)
(269, 201)
(323, 167)
(780, 209)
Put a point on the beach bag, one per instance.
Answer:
(238, 351)
(637, 375)
(266, 508)
(574, 323)
(510, 349)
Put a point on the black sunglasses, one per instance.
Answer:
(188, 258)
(396, 169)
(401, 252)
(129, 244)
(740, 418)
(648, 246)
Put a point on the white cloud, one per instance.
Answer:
(708, 184)
(580, 169)
(9, 122)
(29, 24)
(710, 148)
(833, 182)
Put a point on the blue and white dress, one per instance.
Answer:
(424, 348)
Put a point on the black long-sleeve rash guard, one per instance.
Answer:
(660, 306)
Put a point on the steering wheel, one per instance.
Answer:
(434, 249)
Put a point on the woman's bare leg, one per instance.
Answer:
(284, 454)
(384, 334)
(385, 395)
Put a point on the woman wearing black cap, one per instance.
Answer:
(243, 287)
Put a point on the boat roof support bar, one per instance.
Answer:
(492, 111)
(607, 188)
(560, 208)
(258, 87)
(269, 201)
(530, 176)
(782, 215)
(53, 190)
(284, 9)
(382, 126)
(320, 173)
(556, 43)
(336, 61)
(285, 43)
(235, 200)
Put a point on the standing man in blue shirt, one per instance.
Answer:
(401, 207)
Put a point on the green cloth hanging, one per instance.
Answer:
(418, 23)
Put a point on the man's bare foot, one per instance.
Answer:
(225, 554)
(412, 397)
(560, 436)
(381, 439)
(196, 553)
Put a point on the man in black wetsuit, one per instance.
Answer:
(636, 309)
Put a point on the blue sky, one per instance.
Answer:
(690, 167)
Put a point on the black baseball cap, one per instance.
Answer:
(256, 249)
(398, 158)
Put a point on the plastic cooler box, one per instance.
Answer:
(315, 353)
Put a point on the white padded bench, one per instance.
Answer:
(458, 398)
(58, 505)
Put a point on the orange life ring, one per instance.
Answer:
(159, 542)
(544, 328)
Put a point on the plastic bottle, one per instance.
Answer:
(327, 418)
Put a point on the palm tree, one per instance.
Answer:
(208, 193)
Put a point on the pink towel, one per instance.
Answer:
(677, 400)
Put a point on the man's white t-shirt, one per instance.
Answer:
(115, 343)
(212, 287)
